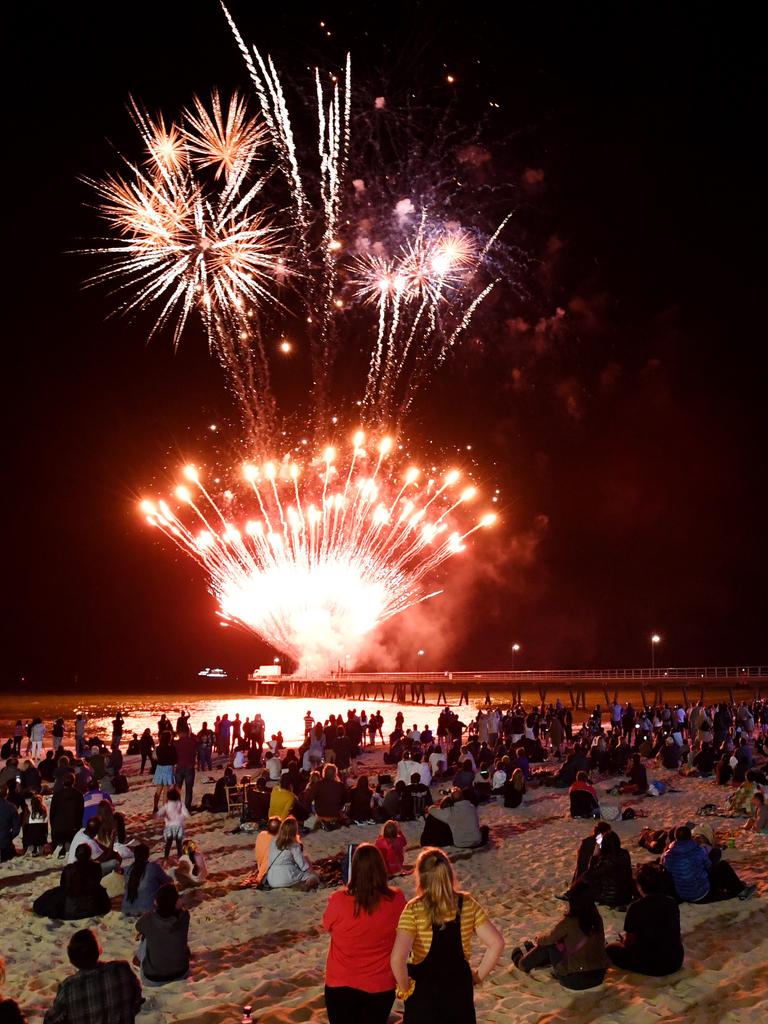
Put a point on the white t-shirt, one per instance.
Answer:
(79, 840)
(498, 780)
(435, 761)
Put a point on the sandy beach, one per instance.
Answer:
(267, 948)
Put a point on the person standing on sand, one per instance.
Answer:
(186, 757)
(101, 993)
(173, 813)
(225, 729)
(18, 736)
(362, 921)
(430, 956)
(205, 741)
(163, 776)
(36, 736)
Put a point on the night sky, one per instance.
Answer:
(613, 391)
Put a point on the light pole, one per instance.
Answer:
(515, 649)
(419, 656)
(655, 639)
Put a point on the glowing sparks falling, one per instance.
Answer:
(311, 558)
(186, 243)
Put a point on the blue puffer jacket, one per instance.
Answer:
(688, 864)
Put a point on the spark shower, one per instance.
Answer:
(319, 534)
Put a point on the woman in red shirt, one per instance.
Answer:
(362, 921)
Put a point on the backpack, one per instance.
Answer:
(346, 864)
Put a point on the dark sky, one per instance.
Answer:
(626, 432)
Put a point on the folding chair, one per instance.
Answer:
(234, 800)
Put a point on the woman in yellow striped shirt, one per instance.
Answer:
(430, 958)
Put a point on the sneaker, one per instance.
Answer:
(562, 896)
(517, 955)
(747, 891)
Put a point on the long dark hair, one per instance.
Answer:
(368, 879)
(140, 860)
(581, 905)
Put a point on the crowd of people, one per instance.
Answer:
(59, 801)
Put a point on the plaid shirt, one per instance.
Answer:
(108, 994)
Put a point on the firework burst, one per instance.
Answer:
(223, 211)
(313, 557)
(184, 243)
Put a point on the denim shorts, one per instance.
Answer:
(163, 775)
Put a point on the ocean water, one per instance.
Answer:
(142, 711)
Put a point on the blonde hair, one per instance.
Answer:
(436, 885)
(287, 833)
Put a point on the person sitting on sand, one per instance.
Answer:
(288, 867)
(92, 800)
(361, 801)
(740, 802)
(82, 891)
(217, 801)
(391, 844)
(192, 870)
(609, 874)
(34, 825)
(723, 770)
(758, 822)
(454, 823)
(110, 991)
(637, 781)
(574, 948)
(263, 842)
(362, 922)
(143, 878)
(66, 813)
(697, 878)
(282, 799)
(587, 848)
(670, 755)
(575, 762)
(583, 798)
(431, 955)
(465, 776)
(514, 789)
(651, 942)
(108, 859)
(330, 797)
(164, 938)
(704, 760)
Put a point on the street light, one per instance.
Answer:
(515, 649)
(419, 654)
(655, 639)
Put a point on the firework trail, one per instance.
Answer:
(321, 564)
(230, 216)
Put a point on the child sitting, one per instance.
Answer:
(391, 843)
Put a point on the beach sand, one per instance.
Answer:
(267, 948)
